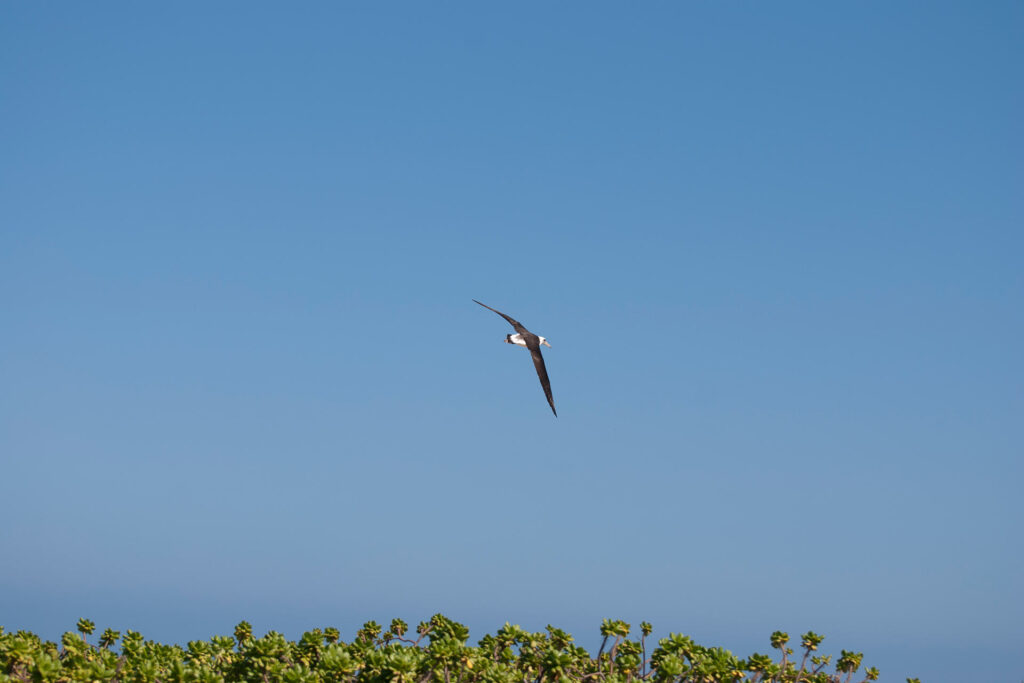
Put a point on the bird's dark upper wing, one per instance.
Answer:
(515, 323)
(538, 362)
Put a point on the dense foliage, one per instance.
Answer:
(436, 653)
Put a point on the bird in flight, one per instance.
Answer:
(524, 337)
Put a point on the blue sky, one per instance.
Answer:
(776, 249)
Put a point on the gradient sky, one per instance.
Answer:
(776, 247)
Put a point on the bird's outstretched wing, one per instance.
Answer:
(542, 372)
(515, 323)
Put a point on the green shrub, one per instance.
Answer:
(439, 653)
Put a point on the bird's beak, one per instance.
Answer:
(545, 343)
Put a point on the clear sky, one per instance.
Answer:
(776, 247)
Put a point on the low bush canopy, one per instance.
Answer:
(435, 653)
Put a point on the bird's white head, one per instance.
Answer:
(545, 342)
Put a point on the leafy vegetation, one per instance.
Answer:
(435, 653)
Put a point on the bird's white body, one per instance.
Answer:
(518, 340)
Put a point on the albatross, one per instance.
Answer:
(525, 338)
